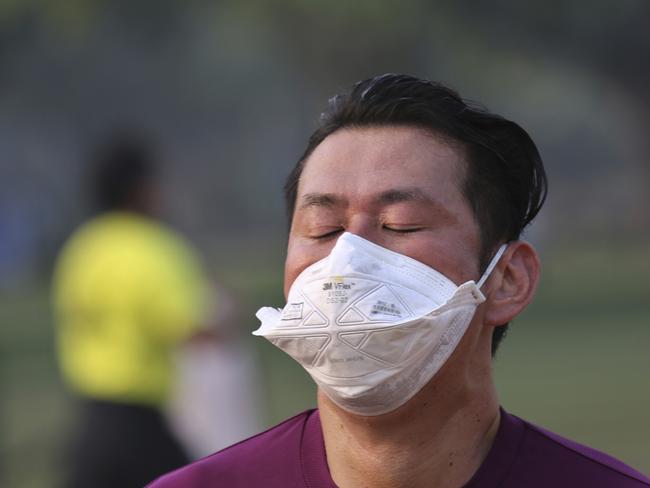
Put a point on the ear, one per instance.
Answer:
(512, 285)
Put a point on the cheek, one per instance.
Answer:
(300, 254)
(455, 258)
(289, 275)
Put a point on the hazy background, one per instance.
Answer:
(231, 90)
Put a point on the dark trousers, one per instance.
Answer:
(119, 445)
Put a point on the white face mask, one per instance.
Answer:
(372, 326)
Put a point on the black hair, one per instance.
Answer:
(504, 182)
(122, 166)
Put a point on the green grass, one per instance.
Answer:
(586, 378)
(577, 362)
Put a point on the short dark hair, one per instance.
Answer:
(122, 165)
(505, 182)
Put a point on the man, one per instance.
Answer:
(404, 267)
(128, 291)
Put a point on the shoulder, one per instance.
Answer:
(111, 233)
(135, 240)
(556, 461)
(271, 458)
(168, 247)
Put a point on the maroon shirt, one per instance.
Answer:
(292, 454)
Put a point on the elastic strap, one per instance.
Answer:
(492, 264)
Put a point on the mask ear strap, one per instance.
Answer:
(491, 266)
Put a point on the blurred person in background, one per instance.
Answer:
(128, 293)
(404, 268)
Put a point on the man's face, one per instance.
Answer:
(396, 186)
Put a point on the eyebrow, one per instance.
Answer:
(395, 195)
(320, 200)
(408, 194)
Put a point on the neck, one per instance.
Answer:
(438, 438)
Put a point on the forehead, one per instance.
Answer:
(361, 162)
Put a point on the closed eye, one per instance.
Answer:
(402, 230)
(331, 233)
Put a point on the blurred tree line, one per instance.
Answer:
(230, 91)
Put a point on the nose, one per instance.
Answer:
(364, 225)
